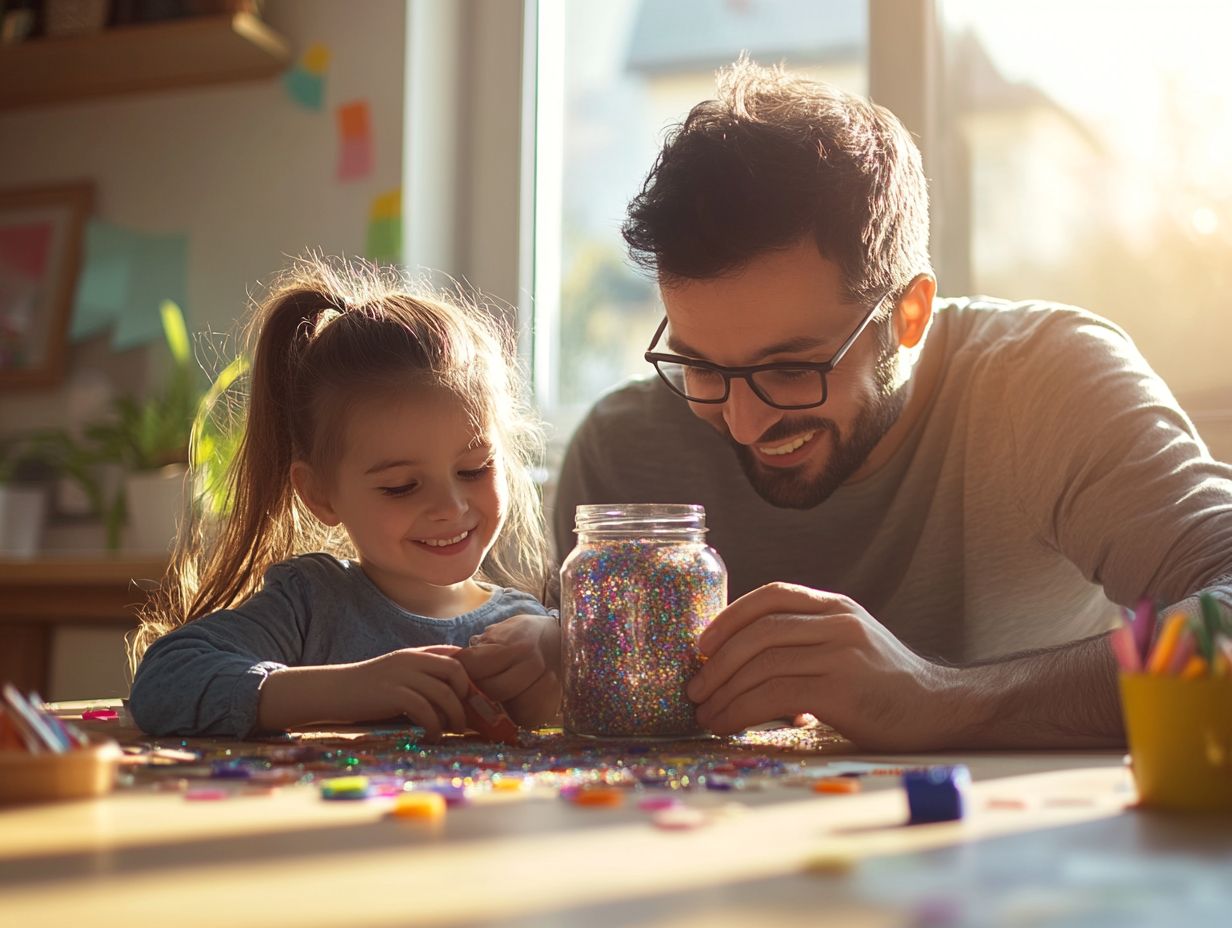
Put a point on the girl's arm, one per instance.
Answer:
(425, 687)
(204, 677)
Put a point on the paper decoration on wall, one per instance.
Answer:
(305, 81)
(125, 277)
(354, 141)
(384, 245)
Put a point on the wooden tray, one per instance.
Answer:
(75, 774)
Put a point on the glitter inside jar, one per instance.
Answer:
(636, 593)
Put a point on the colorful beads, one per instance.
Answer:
(633, 610)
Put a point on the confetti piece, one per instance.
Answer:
(508, 784)
(346, 788)
(422, 806)
(599, 797)
(837, 785)
(1001, 802)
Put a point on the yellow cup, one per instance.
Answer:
(1180, 741)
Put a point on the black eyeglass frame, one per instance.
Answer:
(746, 373)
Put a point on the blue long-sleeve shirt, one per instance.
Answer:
(204, 678)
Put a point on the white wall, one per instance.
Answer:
(246, 174)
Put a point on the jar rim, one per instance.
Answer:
(640, 518)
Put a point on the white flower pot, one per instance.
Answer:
(23, 512)
(155, 502)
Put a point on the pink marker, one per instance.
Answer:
(1124, 649)
(1144, 627)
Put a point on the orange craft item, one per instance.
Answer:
(487, 717)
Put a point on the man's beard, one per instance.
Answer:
(790, 489)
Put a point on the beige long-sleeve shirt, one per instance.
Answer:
(1049, 475)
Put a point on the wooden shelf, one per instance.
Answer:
(77, 570)
(173, 55)
(42, 595)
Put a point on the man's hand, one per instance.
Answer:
(783, 650)
(517, 662)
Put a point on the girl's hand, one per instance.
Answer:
(517, 662)
(424, 684)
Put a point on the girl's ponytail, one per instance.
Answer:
(219, 560)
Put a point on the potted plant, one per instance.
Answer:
(23, 499)
(150, 437)
(151, 442)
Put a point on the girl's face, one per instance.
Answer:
(422, 495)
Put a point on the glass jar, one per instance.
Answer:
(636, 593)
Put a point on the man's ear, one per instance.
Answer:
(307, 484)
(914, 310)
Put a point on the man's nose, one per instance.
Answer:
(746, 414)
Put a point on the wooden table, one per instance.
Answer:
(1048, 840)
(37, 596)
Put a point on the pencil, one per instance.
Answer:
(1210, 622)
(1196, 667)
(1165, 646)
(1223, 658)
(1186, 647)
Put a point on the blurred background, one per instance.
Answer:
(162, 159)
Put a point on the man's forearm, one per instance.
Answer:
(1062, 697)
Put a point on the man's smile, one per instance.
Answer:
(787, 447)
(786, 454)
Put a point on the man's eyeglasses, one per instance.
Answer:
(782, 384)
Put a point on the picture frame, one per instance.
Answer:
(42, 233)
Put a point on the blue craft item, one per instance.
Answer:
(936, 794)
(229, 770)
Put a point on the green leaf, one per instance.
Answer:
(176, 332)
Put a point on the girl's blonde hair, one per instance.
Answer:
(327, 334)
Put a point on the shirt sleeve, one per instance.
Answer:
(205, 678)
(1112, 472)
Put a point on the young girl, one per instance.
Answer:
(381, 529)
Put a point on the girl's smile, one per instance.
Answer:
(447, 546)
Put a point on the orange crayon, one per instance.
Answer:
(1165, 646)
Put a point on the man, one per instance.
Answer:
(933, 506)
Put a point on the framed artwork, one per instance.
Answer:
(41, 232)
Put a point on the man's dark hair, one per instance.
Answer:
(776, 158)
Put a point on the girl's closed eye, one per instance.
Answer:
(478, 472)
(398, 491)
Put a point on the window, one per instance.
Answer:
(1092, 164)
(612, 78)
